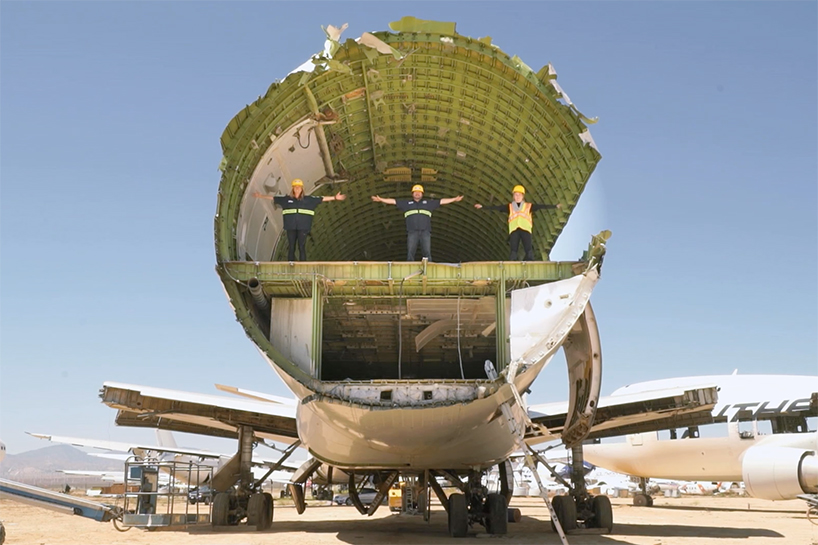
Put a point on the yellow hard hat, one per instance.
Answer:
(518, 189)
(298, 183)
(417, 187)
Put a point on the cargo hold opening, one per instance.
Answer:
(362, 337)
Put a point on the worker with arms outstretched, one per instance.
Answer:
(520, 221)
(298, 210)
(418, 214)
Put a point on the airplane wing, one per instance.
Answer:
(112, 476)
(220, 416)
(121, 456)
(203, 414)
(93, 443)
(136, 448)
(290, 401)
(632, 413)
(292, 464)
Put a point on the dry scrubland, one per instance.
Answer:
(686, 521)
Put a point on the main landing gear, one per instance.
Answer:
(239, 496)
(474, 504)
(643, 497)
(579, 511)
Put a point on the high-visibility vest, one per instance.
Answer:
(417, 211)
(520, 220)
(298, 211)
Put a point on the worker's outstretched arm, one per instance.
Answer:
(378, 198)
(535, 207)
(498, 208)
(339, 197)
(260, 196)
(451, 200)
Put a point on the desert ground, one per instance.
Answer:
(685, 521)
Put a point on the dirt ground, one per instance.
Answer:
(685, 521)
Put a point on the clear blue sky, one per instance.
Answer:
(111, 115)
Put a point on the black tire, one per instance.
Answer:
(255, 511)
(642, 500)
(603, 513)
(422, 501)
(348, 502)
(497, 515)
(458, 515)
(220, 512)
(566, 511)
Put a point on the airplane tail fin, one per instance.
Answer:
(165, 438)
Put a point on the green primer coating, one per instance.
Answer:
(479, 120)
(343, 279)
(462, 108)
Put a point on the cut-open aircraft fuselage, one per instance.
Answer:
(388, 357)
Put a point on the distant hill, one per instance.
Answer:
(41, 467)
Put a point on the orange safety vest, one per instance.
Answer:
(520, 220)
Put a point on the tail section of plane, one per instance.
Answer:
(164, 438)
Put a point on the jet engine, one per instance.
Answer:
(779, 473)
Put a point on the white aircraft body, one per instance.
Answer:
(168, 451)
(764, 438)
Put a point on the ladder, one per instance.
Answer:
(518, 434)
(408, 498)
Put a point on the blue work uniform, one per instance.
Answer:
(418, 216)
(298, 215)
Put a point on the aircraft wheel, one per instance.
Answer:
(268, 510)
(497, 517)
(566, 511)
(220, 512)
(642, 500)
(256, 514)
(458, 515)
(603, 513)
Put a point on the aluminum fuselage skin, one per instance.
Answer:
(458, 436)
(698, 459)
(709, 458)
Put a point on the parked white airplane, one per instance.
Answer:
(610, 483)
(167, 450)
(763, 435)
(215, 415)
